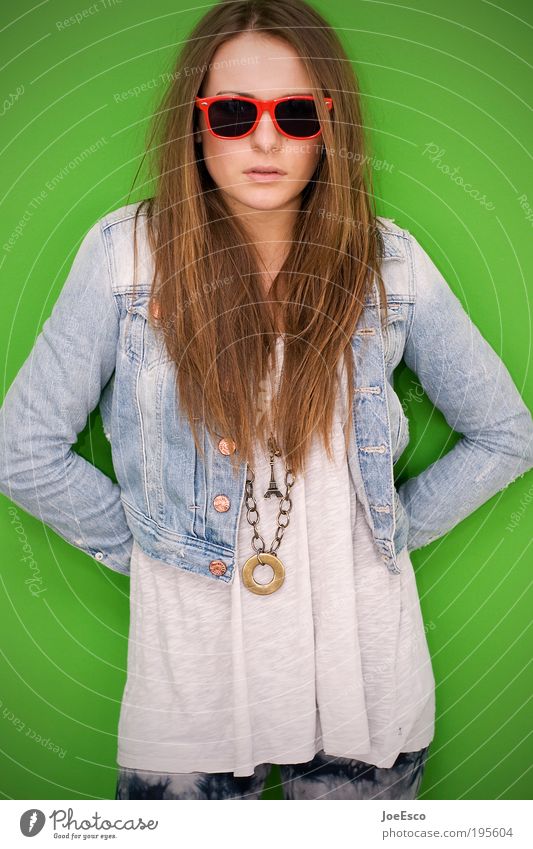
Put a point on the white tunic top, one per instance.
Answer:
(221, 679)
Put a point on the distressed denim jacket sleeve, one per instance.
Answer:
(465, 379)
(48, 404)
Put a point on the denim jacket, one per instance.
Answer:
(99, 346)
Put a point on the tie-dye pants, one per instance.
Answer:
(323, 777)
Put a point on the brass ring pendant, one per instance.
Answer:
(248, 573)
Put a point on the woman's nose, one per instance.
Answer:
(266, 131)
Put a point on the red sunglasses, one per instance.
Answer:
(233, 116)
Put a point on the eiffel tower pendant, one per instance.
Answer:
(273, 488)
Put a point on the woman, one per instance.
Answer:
(230, 328)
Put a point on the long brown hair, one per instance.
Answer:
(219, 327)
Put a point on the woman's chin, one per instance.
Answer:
(263, 196)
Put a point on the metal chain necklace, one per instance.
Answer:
(269, 558)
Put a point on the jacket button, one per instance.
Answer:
(221, 503)
(226, 446)
(217, 567)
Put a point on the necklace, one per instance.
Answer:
(262, 556)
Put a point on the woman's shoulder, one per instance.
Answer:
(395, 262)
(119, 226)
(124, 215)
(394, 237)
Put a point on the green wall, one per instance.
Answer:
(447, 96)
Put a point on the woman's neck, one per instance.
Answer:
(270, 230)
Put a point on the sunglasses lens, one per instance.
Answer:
(232, 118)
(297, 117)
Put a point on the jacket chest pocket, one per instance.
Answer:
(394, 334)
(144, 342)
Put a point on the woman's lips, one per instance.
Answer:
(263, 176)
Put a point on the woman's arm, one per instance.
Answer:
(464, 377)
(48, 404)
